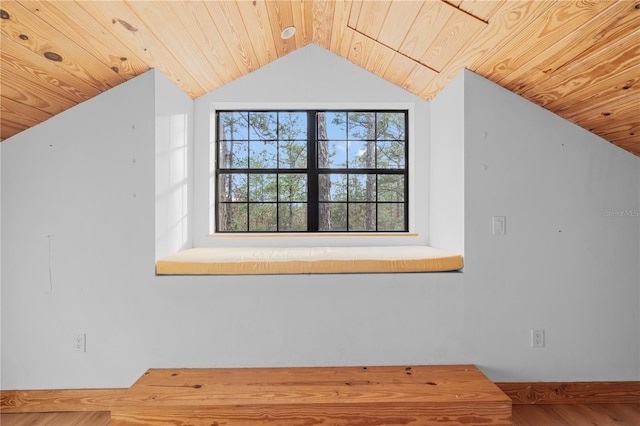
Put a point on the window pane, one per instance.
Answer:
(262, 187)
(362, 155)
(391, 217)
(263, 217)
(391, 188)
(332, 154)
(335, 125)
(233, 126)
(362, 126)
(362, 217)
(390, 155)
(292, 125)
(293, 154)
(263, 125)
(232, 187)
(233, 155)
(292, 217)
(232, 217)
(263, 154)
(391, 126)
(333, 217)
(292, 187)
(332, 187)
(362, 187)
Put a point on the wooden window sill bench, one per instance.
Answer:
(308, 260)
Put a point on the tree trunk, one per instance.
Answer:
(225, 156)
(371, 179)
(324, 185)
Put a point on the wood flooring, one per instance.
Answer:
(523, 415)
(78, 418)
(577, 415)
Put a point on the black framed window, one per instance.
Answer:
(311, 171)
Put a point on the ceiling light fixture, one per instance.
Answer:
(288, 32)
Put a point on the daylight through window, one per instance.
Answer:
(311, 171)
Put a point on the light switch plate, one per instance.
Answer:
(499, 225)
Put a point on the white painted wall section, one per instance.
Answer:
(173, 168)
(77, 246)
(446, 161)
(565, 264)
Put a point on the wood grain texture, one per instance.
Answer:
(42, 38)
(481, 9)
(371, 18)
(572, 392)
(260, 31)
(523, 415)
(17, 112)
(281, 16)
(521, 393)
(576, 414)
(65, 18)
(226, 17)
(205, 33)
(130, 30)
(593, 92)
(429, 20)
(22, 88)
(594, 30)
(303, 21)
(23, 62)
(23, 401)
(85, 418)
(11, 127)
(170, 24)
(551, 27)
(591, 77)
(402, 14)
(340, 32)
(456, 33)
(510, 19)
(335, 415)
(413, 395)
(322, 11)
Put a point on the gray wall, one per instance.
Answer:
(74, 177)
(569, 261)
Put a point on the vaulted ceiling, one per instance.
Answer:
(579, 59)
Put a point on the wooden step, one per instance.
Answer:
(454, 395)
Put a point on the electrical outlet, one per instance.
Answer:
(537, 337)
(80, 342)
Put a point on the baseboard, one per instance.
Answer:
(34, 401)
(21, 401)
(572, 392)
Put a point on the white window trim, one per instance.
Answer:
(204, 183)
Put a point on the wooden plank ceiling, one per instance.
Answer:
(579, 59)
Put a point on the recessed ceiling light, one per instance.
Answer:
(288, 32)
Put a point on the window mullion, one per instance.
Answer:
(312, 172)
(277, 172)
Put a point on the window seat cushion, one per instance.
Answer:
(307, 260)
